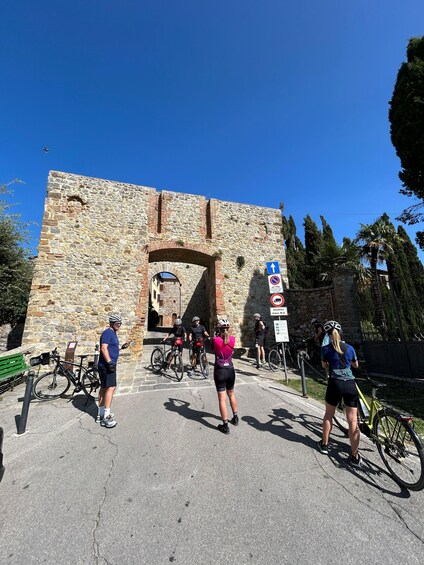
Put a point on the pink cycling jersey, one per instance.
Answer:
(223, 353)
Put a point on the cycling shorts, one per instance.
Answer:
(342, 388)
(224, 378)
(260, 340)
(106, 379)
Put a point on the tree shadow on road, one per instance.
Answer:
(281, 424)
(182, 407)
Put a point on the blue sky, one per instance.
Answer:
(251, 101)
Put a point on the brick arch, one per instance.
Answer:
(204, 255)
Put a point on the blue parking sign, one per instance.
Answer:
(273, 268)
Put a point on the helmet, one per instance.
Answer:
(196, 319)
(178, 322)
(223, 324)
(332, 325)
(314, 321)
(113, 318)
(257, 316)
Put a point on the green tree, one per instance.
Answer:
(376, 241)
(295, 255)
(313, 242)
(15, 267)
(406, 117)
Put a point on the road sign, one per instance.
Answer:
(276, 300)
(275, 284)
(278, 311)
(273, 268)
(281, 331)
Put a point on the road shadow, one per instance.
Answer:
(85, 404)
(182, 407)
(281, 423)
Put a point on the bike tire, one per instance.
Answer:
(274, 360)
(51, 385)
(157, 360)
(178, 366)
(400, 448)
(204, 365)
(90, 384)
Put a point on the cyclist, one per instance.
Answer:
(260, 335)
(179, 336)
(318, 331)
(224, 374)
(338, 357)
(196, 335)
(108, 358)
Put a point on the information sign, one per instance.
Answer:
(281, 331)
(278, 311)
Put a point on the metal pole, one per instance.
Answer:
(1, 454)
(284, 362)
(25, 406)
(302, 370)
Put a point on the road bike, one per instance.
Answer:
(292, 349)
(201, 357)
(398, 444)
(164, 358)
(56, 382)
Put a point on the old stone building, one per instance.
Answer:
(103, 241)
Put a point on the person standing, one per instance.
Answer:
(196, 335)
(260, 335)
(108, 358)
(224, 374)
(178, 336)
(338, 357)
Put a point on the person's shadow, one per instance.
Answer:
(182, 407)
(280, 424)
(85, 404)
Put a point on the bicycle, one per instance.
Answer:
(398, 444)
(163, 359)
(56, 383)
(292, 350)
(201, 357)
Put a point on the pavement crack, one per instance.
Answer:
(398, 512)
(98, 557)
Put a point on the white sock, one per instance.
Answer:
(106, 412)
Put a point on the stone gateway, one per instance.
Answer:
(102, 242)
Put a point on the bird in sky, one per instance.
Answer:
(46, 149)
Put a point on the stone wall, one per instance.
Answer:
(98, 238)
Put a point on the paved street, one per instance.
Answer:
(165, 486)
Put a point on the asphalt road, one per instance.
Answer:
(165, 486)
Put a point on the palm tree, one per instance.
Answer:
(376, 242)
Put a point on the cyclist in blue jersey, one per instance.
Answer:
(338, 357)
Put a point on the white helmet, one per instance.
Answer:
(114, 318)
(196, 319)
(178, 322)
(223, 324)
(257, 315)
(332, 325)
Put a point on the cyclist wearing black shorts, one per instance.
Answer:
(338, 357)
(196, 335)
(224, 374)
(260, 336)
(179, 336)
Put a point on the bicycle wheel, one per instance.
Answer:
(274, 360)
(90, 384)
(50, 386)
(204, 365)
(400, 448)
(178, 366)
(157, 360)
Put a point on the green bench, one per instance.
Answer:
(11, 367)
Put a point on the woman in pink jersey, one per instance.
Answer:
(224, 374)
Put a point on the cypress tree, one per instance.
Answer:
(313, 242)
